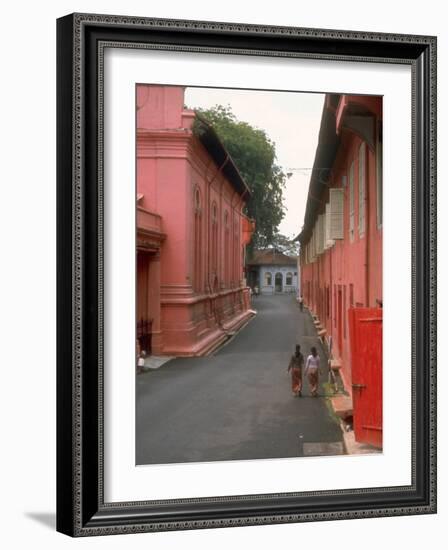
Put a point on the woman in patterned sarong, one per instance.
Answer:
(312, 369)
(295, 367)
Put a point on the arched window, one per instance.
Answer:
(226, 249)
(197, 199)
(197, 242)
(236, 253)
(289, 279)
(268, 278)
(214, 238)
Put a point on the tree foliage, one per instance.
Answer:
(286, 245)
(254, 155)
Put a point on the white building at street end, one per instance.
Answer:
(273, 272)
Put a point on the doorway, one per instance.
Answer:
(278, 282)
(340, 320)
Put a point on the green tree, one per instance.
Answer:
(286, 245)
(254, 155)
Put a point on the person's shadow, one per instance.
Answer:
(48, 519)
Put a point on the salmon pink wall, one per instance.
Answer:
(352, 268)
(202, 294)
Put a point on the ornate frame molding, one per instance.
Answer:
(81, 42)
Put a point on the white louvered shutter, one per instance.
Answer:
(320, 233)
(327, 224)
(313, 245)
(329, 242)
(317, 237)
(317, 229)
(336, 214)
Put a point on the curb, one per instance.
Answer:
(352, 447)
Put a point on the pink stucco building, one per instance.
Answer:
(341, 251)
(191, 230)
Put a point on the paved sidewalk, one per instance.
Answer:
(156, 361)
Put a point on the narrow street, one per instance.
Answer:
(237, 404)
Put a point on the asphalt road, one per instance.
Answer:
(237, 404)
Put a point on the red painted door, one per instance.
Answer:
(366, 342)
(339, 326)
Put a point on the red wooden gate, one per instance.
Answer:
(366, 342)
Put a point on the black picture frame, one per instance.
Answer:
(81, 510)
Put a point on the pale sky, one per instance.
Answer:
(291, 120)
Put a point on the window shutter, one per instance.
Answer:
(320, 234)
(313, 244)
(336, 215)
(316, 238)
(312, 247)
(317, 229)
(328, 241)
(327, 224)
(362, 188)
